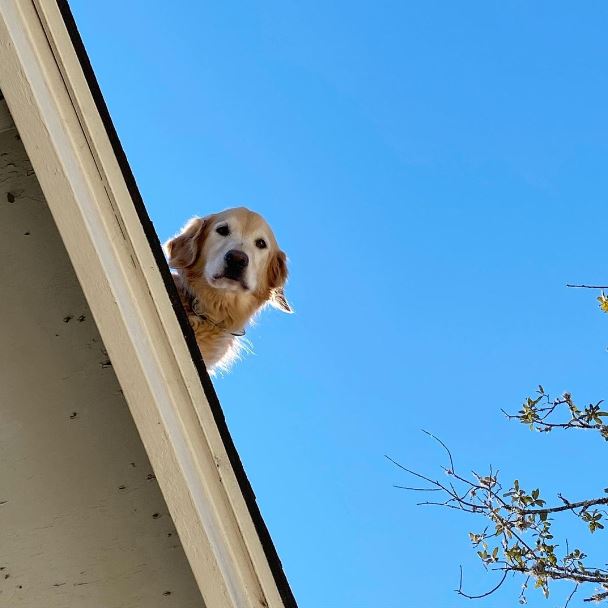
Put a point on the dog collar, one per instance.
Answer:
(195, 304)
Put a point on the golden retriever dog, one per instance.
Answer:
(228, 266)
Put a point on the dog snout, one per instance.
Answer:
(237, 260)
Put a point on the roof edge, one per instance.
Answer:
(55, 36)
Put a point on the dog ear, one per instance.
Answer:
(277, 277)
(182, 250)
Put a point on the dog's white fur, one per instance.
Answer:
(218, 306)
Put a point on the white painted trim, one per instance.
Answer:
(50, 101)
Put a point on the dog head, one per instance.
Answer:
(235, 254)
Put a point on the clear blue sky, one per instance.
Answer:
(436, 172)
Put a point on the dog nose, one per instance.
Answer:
(236, 259)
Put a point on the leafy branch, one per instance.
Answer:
(537, 413)
(518, 537)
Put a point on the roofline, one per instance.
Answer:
(61, 115)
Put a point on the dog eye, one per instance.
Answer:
(260, 244)
(223, 230)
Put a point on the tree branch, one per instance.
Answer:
(569, 506)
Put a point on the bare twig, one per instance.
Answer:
(478, 597)
(445, 447)
(418, 489)
(571, 595)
